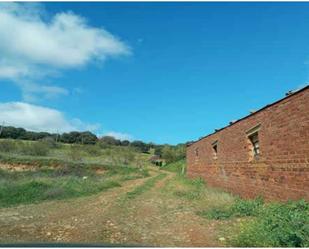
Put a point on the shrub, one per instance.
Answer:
(127, 156)
(92, 150)
(78, 170)
(7, 146)
(243, 207)
(50, 142)
(277, 225)
(173, 153)
(34, 148)
(75, 153)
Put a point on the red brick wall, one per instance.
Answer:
(282, 170)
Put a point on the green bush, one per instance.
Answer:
(75, 153)
(34, 148)
(7, 146)
(243, 207)
(50, 142)
(240, 208)
(277, 225)
(173, 153)
(92, 150)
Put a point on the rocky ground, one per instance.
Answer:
(154, 218)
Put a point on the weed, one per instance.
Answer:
(34, 148)
(54, 193)
(193, 188)
(243, 207)
(191, 195)
(31, 191)
(92, 150)
(21, 192)
(239, 208)
(277, 225)
(7, 146)
(75, 153)
(215, 213)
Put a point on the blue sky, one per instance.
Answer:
(171, 72)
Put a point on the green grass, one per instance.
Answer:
(194, 188)
(276, 225)
(58, 179)
(264, 224)
(28, 191)
(111, 155)
(195, 193)
(125, 171)
(147, 185)
(240, 208)
(176, 167)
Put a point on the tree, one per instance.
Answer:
(158, 150)
(87, 138)
(141, 146)
(68, 138)
(125, 143)
(109, 140)
(12, 132)
(173, 153)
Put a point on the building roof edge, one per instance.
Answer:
(288, 95)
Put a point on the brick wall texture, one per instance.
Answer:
(282, 170)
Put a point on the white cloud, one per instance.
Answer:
(32, 91)
(119, 135)
(38, 118)
(32, 47)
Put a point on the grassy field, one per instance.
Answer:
(37, 171)
(119, 198)
(111, 155)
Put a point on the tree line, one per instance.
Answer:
(11, 132)
(170, 153)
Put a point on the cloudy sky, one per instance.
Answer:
(161, 72)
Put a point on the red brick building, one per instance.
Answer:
(265, 153)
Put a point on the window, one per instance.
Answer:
(254, 143)
(254, 139)
(196, 152)
(215, 149)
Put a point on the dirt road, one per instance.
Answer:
(150, 219)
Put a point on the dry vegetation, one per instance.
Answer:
(119, 198)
